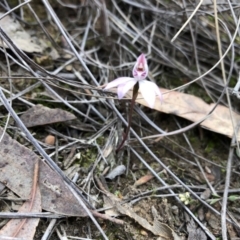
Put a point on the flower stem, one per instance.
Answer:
(134, 97)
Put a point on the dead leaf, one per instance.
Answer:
(112, 212)
(16, 167)
(25, 228)
(22, 38)
(206, 194)
(143, 180)
(40, 115)
(18, 35)
(158, 228)
(28, 232)
(232, 232)
(195, 233)
(213, 221)
(119, 170)
(194, 109)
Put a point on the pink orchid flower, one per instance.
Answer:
(148, 89)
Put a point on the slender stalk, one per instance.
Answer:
(134, 97)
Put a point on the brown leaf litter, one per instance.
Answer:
(41, 115)
(25, 228)
(16, 167)
(159, 229)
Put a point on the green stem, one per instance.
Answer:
(134, 97)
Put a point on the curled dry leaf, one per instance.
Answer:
(143, 180)
(40, 115)
(194, 109)
(119, 170)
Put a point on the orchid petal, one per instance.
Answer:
(141, 63)
(158, 92)
(148, 90)
(116, 82)
(124, 88)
